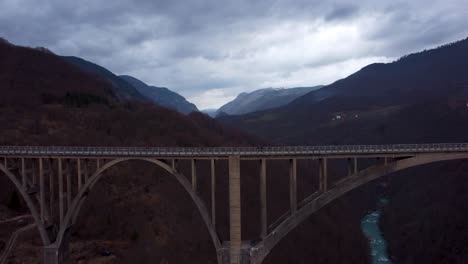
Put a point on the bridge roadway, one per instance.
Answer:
(207, 152)
(55, 182)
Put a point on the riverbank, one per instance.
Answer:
(425, 220)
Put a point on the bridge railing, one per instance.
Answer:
(224, 151)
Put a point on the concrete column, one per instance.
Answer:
(60, 194)
(355, 167)
(323, 174)
(69, 190)
(320, 166)
(350, 167)
(385, 161)
(51, 187)
(41, 190)
(293, 185)
(247, 256)
(51, 255)
(98, 164)
(235, 210)
(213, 192)
(54, 254)
(263, 199)
(194, 175)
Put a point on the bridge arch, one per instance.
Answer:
(29, 203)
(262, 249)
(80, 198)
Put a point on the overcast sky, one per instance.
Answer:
(210, 51)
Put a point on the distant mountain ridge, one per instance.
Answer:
(161, 95)
(424, 75)
(129, 88)
(263, 99)
(400, 100)
(211, 112)
(123, 89)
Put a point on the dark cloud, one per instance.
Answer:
(342, 13)
(209, 50)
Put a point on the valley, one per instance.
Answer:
(110, 166)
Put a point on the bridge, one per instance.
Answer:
(55, 182)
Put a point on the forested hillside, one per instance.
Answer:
(421, 98)
(138, 212)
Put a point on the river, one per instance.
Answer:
(370, 227)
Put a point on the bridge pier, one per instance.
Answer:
(293, 185)
(248, 254)
(323, 175)
(355, 166)
(59, 251)
(194, 175)
(350, 167)
(213, 193)
(51, 255)
(55, 254)
(235, 210)
(263, 200)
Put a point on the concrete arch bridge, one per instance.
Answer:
(55, 182)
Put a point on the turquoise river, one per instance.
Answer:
(370, 227)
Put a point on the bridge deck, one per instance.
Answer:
(222, 152)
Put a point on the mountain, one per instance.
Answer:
(161, 96)
(123, 89)
(210, 112)
(420, 98)
(263, 99)
(31, 77)
(127, 87)
(47, 101)
(379, 97)
(42, 92)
